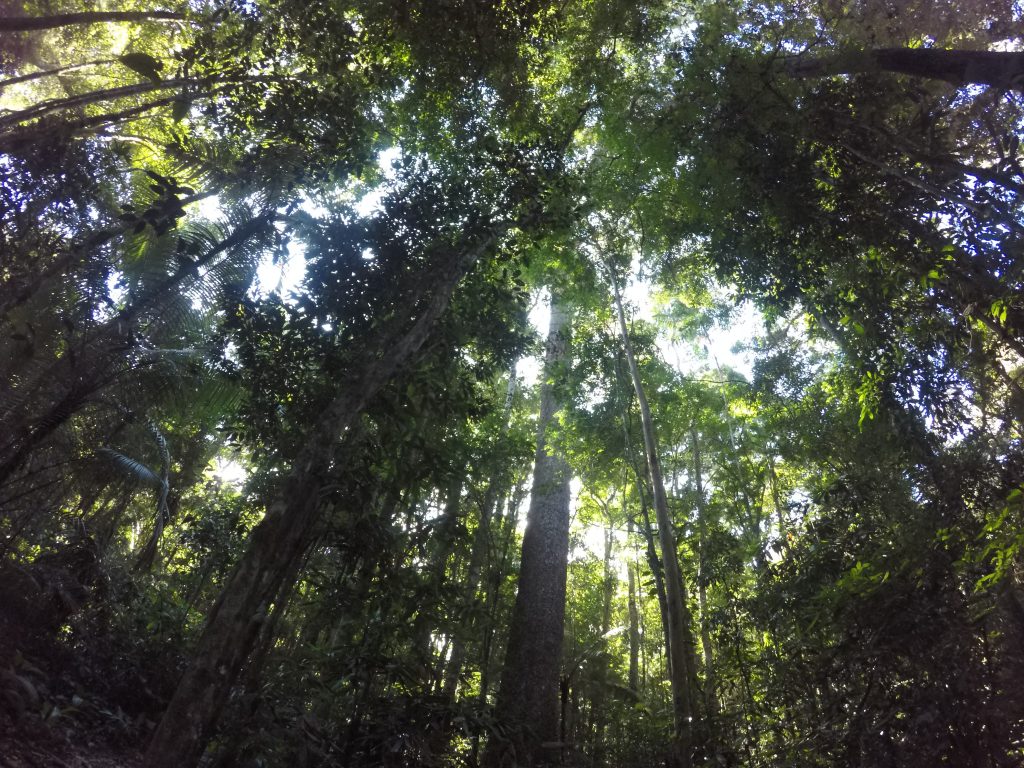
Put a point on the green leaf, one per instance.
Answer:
(132, 467)
(144, 64)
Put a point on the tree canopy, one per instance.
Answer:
(511, 383)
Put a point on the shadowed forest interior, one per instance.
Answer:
(458, 383)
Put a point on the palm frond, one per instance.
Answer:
(132, 467)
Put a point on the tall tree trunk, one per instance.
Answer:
(651, 551)
(496, 488)
(780, 515)
(281, 538)
(96, 97)
(36, 23)
(996, 69)
(50, 72)
(682, 653)
(599, 715)
(634, 626)
(658, 575)
(710, 695)
(506, 526)
(528, 697)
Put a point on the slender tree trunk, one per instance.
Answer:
(478, 554)
(710, 695)
(96, 97)
(36, 23)
(598, 702)
(634, 627)
(780, 516)
(682, 651)
(658, 575)
(282, 537)
(506, 525)
(528, 697)
(996, 69)
(651, 550)
(50, 72)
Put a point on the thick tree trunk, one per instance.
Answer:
(528, 697)
(995, 69)
(682, 651)
(281, 538)
(36, 23)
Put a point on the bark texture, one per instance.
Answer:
(528, 696)
(269, 565)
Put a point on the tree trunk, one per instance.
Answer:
(598, 703)
(710, 695)
(505, 525)
(281, 538)
(50, 72)
(528, 697)
(651, 551)
(682, 653)
(478, 554)
(634, 627)
(36, 23)
(96, 97)
(995, 69)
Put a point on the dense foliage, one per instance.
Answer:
(284, 458)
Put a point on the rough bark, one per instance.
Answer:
(282, 537)
(36, 23)
(995, 69)
(682, 652)
(528, 696)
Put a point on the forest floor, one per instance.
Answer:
(34, 746)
